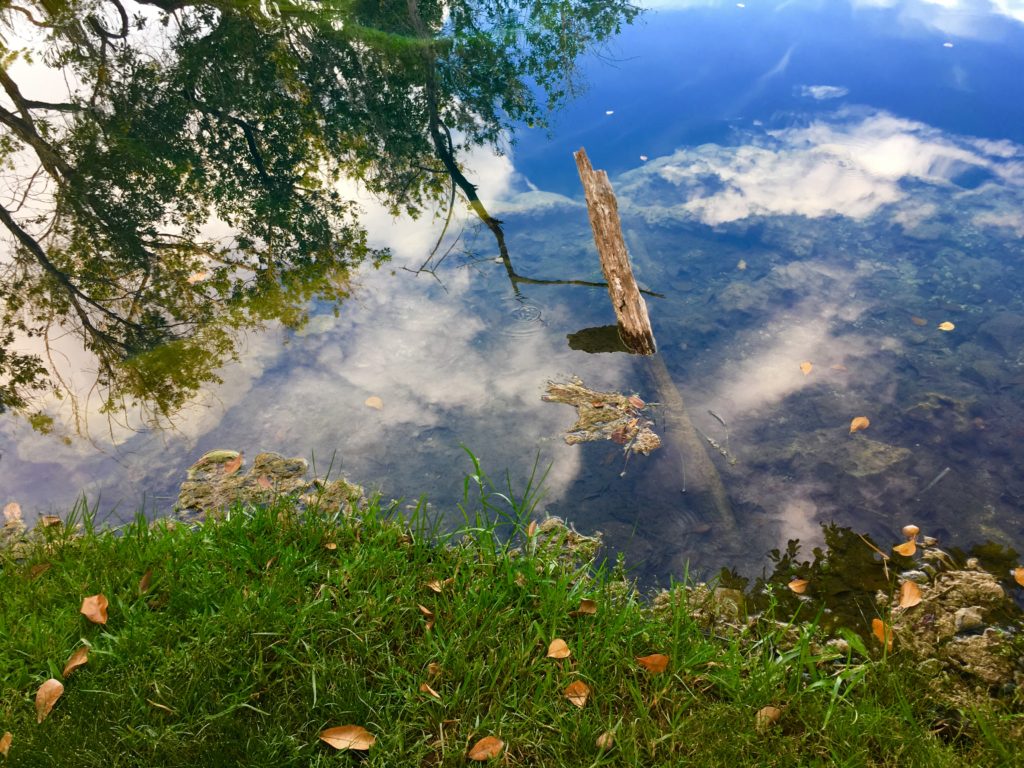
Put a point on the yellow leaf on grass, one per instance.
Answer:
(946, 326)
(424, 688)
(1018, 575)
(46, 697)
(798, 585)
(883, 632)
(906, 549)
(910, 594)
(656, 663)
(605, 741)
(94, 608)
(806, 368)
(348, 737)
(374, 402)
(859, 423)
(558, 649)
(5, 743)
(587, 608)
(12, 512)
(486, 748)
(78, 659)
(766, 717)
(577, 693)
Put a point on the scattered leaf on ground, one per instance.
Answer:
(910, 594)
(587, 608)
(49, 521)
(947, 326)
(374, 402)
(94, 608)
(38, 570)
(330, 545)
(46, 697)
(798, 585)
(911, 531)
(1018, 575)
(859, 423)
(605, 741)
(433, 669)
(425, 611)
(78, 658)
(806, 367)
(12, 512)
(5, 743)
(348, 737)
(232, 466)
(636, 401)
(918, 320)
(577, 693)
(906, 549)
(486, 748)
(558, 649)
(264, 482)
(424, 688)
(656, 663)
(434, 586)
(883, 632)
(145, 581)
(767, 717)
(531, 529)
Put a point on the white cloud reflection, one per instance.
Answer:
(823, 92)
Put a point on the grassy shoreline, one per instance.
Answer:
(254, 632)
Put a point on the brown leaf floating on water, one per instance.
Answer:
(806, 368)
(374, 402)
(1018, 575)
(859, 423)
(946, 326)
(798, 585)
(907, 549)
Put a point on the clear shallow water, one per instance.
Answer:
(868, 176)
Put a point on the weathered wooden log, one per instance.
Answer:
(629, 306)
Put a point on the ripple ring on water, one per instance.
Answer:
(523, 318)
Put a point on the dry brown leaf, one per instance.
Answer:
(605, 741)
(434, 586)
(264, 482)
(766, 717)
(94, 608)
(38, 570)
(486, 748)
(145, 581)
(374, 402)
(330, 545)
(906, 549)
(636, 402)
(531, 529)
(910, 594)
(946, 326)
(806, 368)
(433, 669)
(883, 632)
(656, 663)
(230, 467)
(46, 697)
(427, 613)
(911, 531)
(5, 743)
(859, 423)
(49, 521)
(12, 512)
(558, 649)
(577, 692)
(348, 737)
(918, 320)
(798, 585)
(587, 608)
(78, 659)
(1018, 575)
(424, 688)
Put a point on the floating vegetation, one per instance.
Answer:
(605, 416)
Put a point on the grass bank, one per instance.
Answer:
(239, 641)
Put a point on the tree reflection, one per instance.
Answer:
(186, 185)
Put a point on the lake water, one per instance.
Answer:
(801, 184)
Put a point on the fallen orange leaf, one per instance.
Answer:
(798, 585)
(883, 632)
(766, 717)
(46, 697)
(330, 545)
(348, 737)
(5, 743)
(1018, 575)
(38, 570)
(859, 423)
(911, 531)
(429, 614)
(424, 688)
(587, 608)
(264, 482)
(145, 581)
(605, 741)
(636, 402)
(906, 549)
(78, 658)
(433, 669)
(486, 748)
(577, 693)
(374, 402)
(656, 663)
(94, 608)
(910, 594)
(558, 649)
(232, 466)
(806, 367)
(946, 326)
